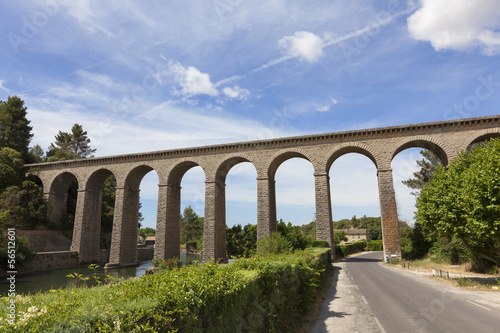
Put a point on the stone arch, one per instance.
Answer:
(284, 155)
(179, 170)
(57, 195)
(480, 136)
(95, 181)
(135, 176)
(87, 227)
(347, 148)
(425, 142)
(229, 162)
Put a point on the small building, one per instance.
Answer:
(354, 235)
(150, 241)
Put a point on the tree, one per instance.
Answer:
(146, 232)
(23, 206)
(293, 234)
(339, 237)
(15, 131)
(36, 154)
(272, 244)
(191, 226)
(464, 201)
(428, 166)
(11, 168)
(70, 146)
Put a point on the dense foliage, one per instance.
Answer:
(372, 225)
(191, 227)
(428, 165)
(15, 132)
(254, 295)
(350, 248)
(463, 201)
(70, 146)
(241, 242)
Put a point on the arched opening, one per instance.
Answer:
(241, 206)
(295, 192)
(192, 209)
(355, 198)
(148, 208)
(412, 169)
(180, 215)
(62, 201)
(482, 138)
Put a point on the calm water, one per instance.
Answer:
(58, 279)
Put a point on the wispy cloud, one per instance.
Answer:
(2, 87)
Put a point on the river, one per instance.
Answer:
(42, 281)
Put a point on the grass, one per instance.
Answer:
(467, 280)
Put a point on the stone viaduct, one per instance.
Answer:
(445, 138)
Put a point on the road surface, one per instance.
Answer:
(368, 297)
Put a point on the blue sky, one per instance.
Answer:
(144, 76)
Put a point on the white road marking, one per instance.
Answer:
(364, 300)
(479, 305)
(379, 325)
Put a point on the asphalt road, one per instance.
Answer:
(402, 301)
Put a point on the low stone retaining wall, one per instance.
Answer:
(44, 261)
(146, 253)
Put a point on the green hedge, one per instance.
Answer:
(375, 245)
(345, 249)
(257, 295)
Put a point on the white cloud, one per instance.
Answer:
(326, 107)
(2, 86)
(322, 108)
(304, 45)
(192, 81)
(458, 25)
(236, 92)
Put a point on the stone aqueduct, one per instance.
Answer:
(446, 139)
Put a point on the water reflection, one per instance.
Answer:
(57, 279)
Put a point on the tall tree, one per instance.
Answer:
(69, 146)
(428, 166)
(191, 226)
(15, 131)
(463, 201)
(11, 168)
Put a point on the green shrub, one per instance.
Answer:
(272, 244)
(264, 294)
(319, 243)
(350, 248)
(375, 245)
(23, 252)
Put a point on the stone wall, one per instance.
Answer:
(45, 240)
(47, 261)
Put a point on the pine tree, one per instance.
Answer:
(428, 166)
(69, 146)
(15, 131)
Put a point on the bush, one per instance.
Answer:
(251, 295)
(350, 248)
(273, 244)
(23, 252)
(375, 245)
(319, 243)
